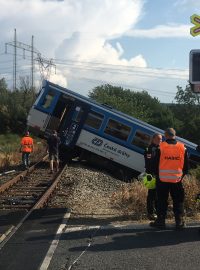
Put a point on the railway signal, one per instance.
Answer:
(195, 30)
(194, 66)
(194, 71)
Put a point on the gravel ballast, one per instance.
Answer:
(87, 191)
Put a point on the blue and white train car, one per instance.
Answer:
(84, 124)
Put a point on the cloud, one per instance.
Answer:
(59, 78)
(158, 82)
(53, 22)
(78, 30)
(185, 4)
(162, 31)
(81, 31)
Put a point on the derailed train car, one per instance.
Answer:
(90, 129)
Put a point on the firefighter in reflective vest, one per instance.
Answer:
(26, 148)
(171, 164)
(149, 180)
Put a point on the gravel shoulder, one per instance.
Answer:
(93, 192)
(87, 191)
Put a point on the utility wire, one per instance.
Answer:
(97, 65)
(166, 93)
(113, 65)
(134, 72)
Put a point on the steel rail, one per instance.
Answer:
(45, 197)
(39, 204)
(20, 176)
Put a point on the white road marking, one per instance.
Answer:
(69, 229)
(54, 244)
(89, 244)
(144, 226)
(3, 236)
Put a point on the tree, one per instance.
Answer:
(186, 96)
(187, 111)
(15, 106)
(4, 115)
(137, 104)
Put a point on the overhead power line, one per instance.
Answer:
(113, 65)
(129, 86)
(134, 71)
(45, 64)
(24, 47)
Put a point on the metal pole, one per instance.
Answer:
(32, 64)
(15, 61)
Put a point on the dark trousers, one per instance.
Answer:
(151, 201)
(25, 159)
(176, 191)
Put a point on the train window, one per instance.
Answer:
(48, 100)
(77, 114)
(39, 96)
(141, 139)
(117, 130)
(94, 120)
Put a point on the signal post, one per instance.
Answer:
(194, 65)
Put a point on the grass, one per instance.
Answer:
(132, 199)
(9, 150)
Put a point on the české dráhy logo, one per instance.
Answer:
(97, 141)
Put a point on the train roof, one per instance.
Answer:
(118, 113)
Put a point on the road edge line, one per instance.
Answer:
(46, 262)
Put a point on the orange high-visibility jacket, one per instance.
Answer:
(27, 144)
(171, 162)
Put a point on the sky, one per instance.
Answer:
(136, 44)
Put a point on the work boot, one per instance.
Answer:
(180, 223)
(158, 223)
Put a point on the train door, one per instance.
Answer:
(72, 123)
(61, 111)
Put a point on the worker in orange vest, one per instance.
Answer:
(171, 164)
(26, 148)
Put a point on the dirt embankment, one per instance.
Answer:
(88, 191)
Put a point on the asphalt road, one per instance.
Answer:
(22, 253)
(117, 246)
(87, 243)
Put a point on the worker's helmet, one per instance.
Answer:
(149, 181)
(27, 133)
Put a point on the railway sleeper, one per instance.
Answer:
(27, 189)
(16, 207)
(35, 196)
(18, 200)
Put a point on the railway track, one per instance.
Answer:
(28, 191)
(27, 188)
(6, 176)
